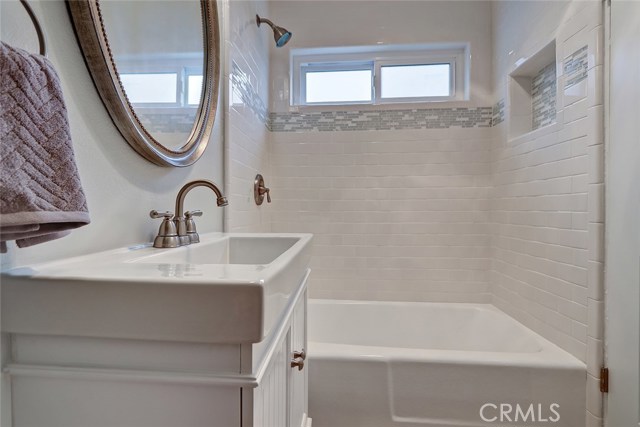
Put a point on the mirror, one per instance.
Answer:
(156, 65)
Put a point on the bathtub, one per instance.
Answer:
(392, 364)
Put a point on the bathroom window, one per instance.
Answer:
(415, 81)
(194, 89)
(151, 88)
(337, 84)
(164, 87)
(378, 75)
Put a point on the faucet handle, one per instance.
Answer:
(267, 191)
(167, 234)
(155, 214)
(190, 225)
(189, 214)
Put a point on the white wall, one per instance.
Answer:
(354, 23)
(548, 187)
(121, 187)
(247, 86)
(623, 210)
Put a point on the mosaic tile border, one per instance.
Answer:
(174, 122)
(327, 121)
(543, 97)
(498, 113)
(428, 118)
(576, 67)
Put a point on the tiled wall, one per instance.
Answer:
(397, 215)
(548, 186)
(414, 205)
(247, 89)
(396, 198)
(576, 67)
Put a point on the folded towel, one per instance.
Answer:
(41, 197)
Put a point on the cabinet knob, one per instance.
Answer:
(301, 354)
(299, 362)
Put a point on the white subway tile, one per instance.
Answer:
(596, 241)
(595, 356)
(595, 316)
(596, 163)
(595, 278)
(595, 86)
(596, 46)
(596, 202)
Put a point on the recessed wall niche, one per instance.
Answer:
(533, 92)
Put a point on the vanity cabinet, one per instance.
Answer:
(57, 380)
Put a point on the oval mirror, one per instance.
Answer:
(156, 66)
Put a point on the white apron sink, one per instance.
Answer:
(229, 288)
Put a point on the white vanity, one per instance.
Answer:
(206, 335)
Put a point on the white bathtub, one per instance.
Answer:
(390, 364)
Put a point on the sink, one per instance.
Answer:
(229, 288)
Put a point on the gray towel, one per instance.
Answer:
(41, 197)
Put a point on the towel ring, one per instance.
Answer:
(41, 36)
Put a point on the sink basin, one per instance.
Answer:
(228, 250)
(229, 288)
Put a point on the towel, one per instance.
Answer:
(41, 196)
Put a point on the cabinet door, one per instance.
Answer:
(298, 396)
(270, 405)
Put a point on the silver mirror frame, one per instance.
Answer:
(92, 37)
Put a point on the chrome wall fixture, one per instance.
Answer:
(281, 35)
(259, 190)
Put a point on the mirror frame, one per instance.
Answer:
(92, 38)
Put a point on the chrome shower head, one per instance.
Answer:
(281, 35)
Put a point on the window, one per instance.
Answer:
(194, 89)
(163, 84)
(337, 86)
(151, 88)
(415, 81)
(378, 74)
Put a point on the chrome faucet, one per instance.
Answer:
(179, 229)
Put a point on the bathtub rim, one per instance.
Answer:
(550, 355)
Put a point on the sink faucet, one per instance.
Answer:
(175, 230)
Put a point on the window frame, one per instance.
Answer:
(374, 58)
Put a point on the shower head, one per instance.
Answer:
(281, 35)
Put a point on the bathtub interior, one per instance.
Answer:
(441, 326)
(366, 369)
